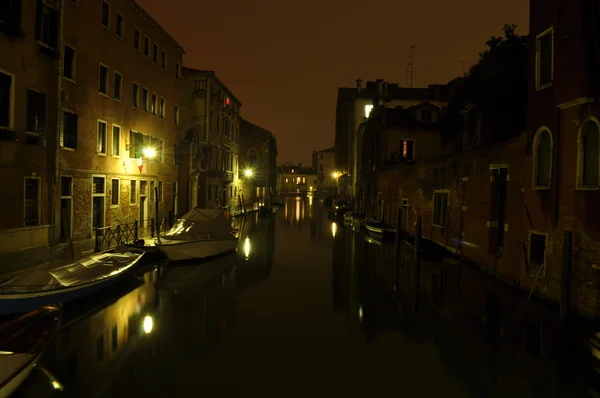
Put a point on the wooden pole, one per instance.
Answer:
(156, 210)
(417, 266)
(397, 256)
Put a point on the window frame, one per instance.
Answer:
(122, 35)
(536, 143)
(137, 46)
(538, 86)
(120, 98)
(73, 76)
(98, 123)
(446, 212)
(580, 165)
(545, 263)
(112, 204)
(38, 200)
(11, 101)
(136, 105)
(109, 12)
(107, 83)
(62, 134)
(112, 136)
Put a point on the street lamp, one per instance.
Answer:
(149, 152)
(335, 175)
(248, 173)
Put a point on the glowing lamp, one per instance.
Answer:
(248, 173)
(335, 175)
(149, 152)
(227, 101)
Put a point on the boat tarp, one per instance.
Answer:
(93, 268)
(11, 364)
(200, 224)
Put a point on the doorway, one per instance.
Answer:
(97, 212)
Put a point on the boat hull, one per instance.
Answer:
(15, 382)
(199, 249)
(19, 303)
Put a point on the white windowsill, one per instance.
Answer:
(540, 88)
(586, 188)
(68, 149)
(69, 79)
(541, 188)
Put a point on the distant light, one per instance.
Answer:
(149, 152)
(227, 101)
(148, 324)
(248, 173)
(335, 174)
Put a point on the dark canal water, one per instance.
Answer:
(307, 308)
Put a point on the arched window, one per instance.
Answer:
(589, 155)
(542, 167)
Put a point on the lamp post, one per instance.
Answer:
(335, 175)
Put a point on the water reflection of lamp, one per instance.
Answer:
(247, 247)
(297, 210)
(333, 229)
(148, 324)
(360, 313)
(310, 198)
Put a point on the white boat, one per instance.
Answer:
(38, 287)
(22, 342)
(199, 234)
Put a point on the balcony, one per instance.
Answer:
(228, 176)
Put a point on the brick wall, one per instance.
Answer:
(466, 178)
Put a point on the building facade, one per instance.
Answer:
(210, 128)
(561, 228)
(28, 125)
(296, 180)
(328, 175)
(258, 163)
(108, 137)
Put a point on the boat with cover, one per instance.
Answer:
(199, 234)
(22, 342)
(38, 287)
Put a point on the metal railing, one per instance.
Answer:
(164, 224)
(108, 237)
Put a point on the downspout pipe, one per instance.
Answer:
(54, 236)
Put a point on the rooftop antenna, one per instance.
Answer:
(410, 67)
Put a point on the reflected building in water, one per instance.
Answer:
(299, 210)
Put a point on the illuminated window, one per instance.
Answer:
(407, 149)
(298, 181)
(303, 180)
(287, 180)
(368, 109)
(292, 171)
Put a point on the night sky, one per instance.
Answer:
(285, 59)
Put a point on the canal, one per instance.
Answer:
(308, 307)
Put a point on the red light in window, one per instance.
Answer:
(227, 101)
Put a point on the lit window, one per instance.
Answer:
(368, 109)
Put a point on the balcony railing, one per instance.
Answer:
(228, 176)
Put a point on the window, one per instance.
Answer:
(105, 17)
(407, 149)
(426, 115)
(544, 58)
(153, 107)
(537, 250)
(46, 25)
(155, 53)
(177, 70)
(32, 202)
(160, 191)
(440, 208)
(120, 28)
(132, 191)
(36, 112)
(137, 39)
(69, 62)
(163, 59)
(101, 144)
(287, 180)
(161, 108)
(145, 99)
(68, 138)
(116, 140)
(589, 155)
(542, 159)
(176, 114)
(135, 95)
(103, 79)
(114, 192)
(10, 17)
(117, 86)
(6, 100)
(147, 46)
(198, 85)
(497, 222)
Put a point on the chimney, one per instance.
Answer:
(358, 85)
(379, 85)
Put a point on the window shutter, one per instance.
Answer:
(31, 111)
(41, 109)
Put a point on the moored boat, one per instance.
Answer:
(378, 229)
(22, 342)
(199, 234)
(34, 289)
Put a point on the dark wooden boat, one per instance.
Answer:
(23, 339)
(379, 229)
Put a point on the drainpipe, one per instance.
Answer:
(55, 168)
(556, 166)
